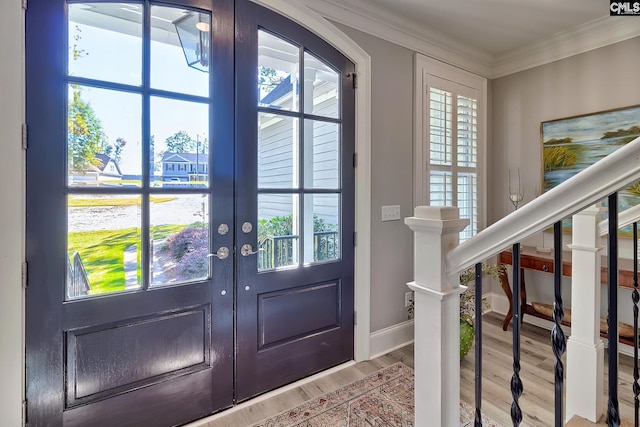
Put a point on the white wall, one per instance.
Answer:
(391, 175)
(11, 212)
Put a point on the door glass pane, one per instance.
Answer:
(103, 134)
(180, 50)
(179, 143)
(179, 238)
(277, 151)
(105, 42)
(321, 227)
(278, 69)
(103, 244)
(321, 95)
(321, 154)
(278, 230)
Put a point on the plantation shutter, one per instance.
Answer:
(452, 167)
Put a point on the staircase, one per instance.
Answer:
(438, 260)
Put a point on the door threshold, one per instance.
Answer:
(203, 421)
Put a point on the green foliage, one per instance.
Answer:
(633, 130)
(467, 333)
(283, 226)
(85, 136)
(267, 79)
(119, 146)
(181, 142)
(557, 157)
(559, 141)
(102, 253)
(467, 298)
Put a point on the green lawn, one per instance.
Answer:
(102, 254)
(75, 202)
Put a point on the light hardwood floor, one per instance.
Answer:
(536, 374)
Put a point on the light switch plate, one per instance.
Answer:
(391, 213)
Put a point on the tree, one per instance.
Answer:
(119, 146)
(85, 136)
(180, 142)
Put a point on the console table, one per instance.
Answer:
(532, 260)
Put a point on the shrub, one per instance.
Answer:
(182, 242)
(194, 264)
(189, 249)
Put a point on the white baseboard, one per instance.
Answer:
(391, 338)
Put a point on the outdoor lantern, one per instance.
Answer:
(194, 34)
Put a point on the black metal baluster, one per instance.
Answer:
(558, 340)
(613, 412)
(636, 297)
(478, 344)
(516, 382)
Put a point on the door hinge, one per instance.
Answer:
(355, 160)
(24, 136)
(355, 239)
(25, 274)
(354, 79)
(24, 413)
(355, 318)
(24, 4)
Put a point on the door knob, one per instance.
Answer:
(222, 253)
(247, 250)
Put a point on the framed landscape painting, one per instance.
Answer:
(573, 144)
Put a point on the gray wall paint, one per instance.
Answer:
(598, 80)
(391, 175)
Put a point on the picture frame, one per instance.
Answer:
(572, 144)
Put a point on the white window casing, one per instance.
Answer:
(450, 140)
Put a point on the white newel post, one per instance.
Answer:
(585, 349)
(437, 317)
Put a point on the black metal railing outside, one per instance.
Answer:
(77, 280)
(280, 251)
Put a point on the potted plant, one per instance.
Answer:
(467, 305)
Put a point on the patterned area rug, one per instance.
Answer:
(384, 398)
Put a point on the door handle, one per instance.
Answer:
(247, 250)
(222, 253)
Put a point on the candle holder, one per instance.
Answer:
(516, 196)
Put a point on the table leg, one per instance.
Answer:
(504, 281)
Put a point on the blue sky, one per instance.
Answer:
(116, 57)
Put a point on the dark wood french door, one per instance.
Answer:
(190, 212)
(295, 316)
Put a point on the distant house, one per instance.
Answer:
(108, 170)
(185, 167)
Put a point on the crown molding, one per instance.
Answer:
(371, 19)
(583, 38)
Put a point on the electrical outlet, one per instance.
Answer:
(391, 213)
(408, 297)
